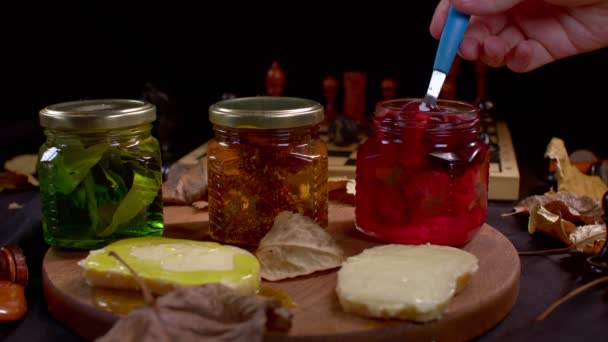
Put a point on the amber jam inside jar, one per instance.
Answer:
(266, 157)
(423, 176)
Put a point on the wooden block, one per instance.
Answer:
(504, 175)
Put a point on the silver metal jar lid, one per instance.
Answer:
(90, 115)
(266, 112)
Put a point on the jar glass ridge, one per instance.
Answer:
(423, 176)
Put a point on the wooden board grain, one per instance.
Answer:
(318, 316)
(186, 222)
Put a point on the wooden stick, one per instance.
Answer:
(570, 295)
(150, 300)
(548, 251)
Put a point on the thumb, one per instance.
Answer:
(484, 7)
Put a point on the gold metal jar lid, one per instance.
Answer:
(89, 115)
(266, 112)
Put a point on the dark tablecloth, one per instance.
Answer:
(544, 279)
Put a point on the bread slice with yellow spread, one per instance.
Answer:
(404, 281)
(164, 264)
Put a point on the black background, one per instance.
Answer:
(196, 51)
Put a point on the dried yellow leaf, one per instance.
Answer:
(546, 222)
(570, 178)
(24, 164)
(589, 238)
(296, 246)
(186, 183)
(572, 207)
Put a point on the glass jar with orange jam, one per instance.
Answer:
(423, 176)
(266, 157)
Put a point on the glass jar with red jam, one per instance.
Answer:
(423, 175)
(266, 157)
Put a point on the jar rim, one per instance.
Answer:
(98, 114)
(454, 106)
(458, 116)
(266, 112)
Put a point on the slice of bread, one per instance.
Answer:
(164, 264)
(404, 281)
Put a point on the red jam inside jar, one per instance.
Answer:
(423, 176)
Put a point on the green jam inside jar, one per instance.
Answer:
(94, 192)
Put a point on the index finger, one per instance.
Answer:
(438, 21)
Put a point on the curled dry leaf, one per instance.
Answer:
(211, 312)
(569, 177)
(568, 213)
(571, 206)
(33, 180)
(546, 222)
(186, 183)
(590, 238)
(587, 239)
(296, 246)
(24, 164)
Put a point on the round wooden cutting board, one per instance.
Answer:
(317, 315)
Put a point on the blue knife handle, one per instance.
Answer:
(454, 28)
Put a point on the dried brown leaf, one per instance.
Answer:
(573, 207)
(186, 183)
(296, 246)
(543, 221)
(569, 177)
(590, 238)
(593, 248)
(570, 214)
(33, 180)
(211, 312)
(24, 164)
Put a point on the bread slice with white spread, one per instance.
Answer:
(404, 281)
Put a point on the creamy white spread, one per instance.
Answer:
(186, 258)
(415, 282)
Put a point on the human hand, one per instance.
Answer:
(526, 34)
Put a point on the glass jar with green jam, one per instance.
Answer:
(100, 173)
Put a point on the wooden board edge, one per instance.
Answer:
(91, 325)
